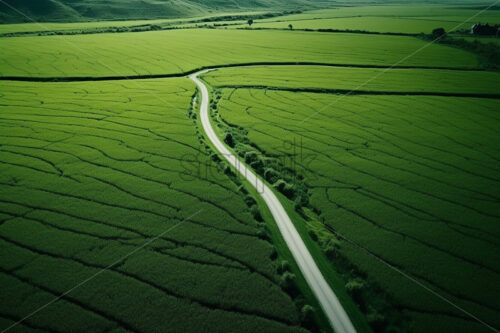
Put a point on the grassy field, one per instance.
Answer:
(90, 171)
(178, 51)
(331, 78)
(91, 25)
(393, 19)
(51, 26)
(364, 23)
(408, 179)
(394, 187)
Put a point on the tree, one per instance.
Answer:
(438, 33)
(290, 27)
(250, 22)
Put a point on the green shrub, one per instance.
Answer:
(331, 250)
(263, 234)
(250, 201)
(355, 288)
(287, 282)
(251, 156)
(254, 210)
(229, 140)
(280, 185)
(313, 235)
(271, 175)
(283, 267)
(307, 316)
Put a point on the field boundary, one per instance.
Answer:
(247, 64)
(363, 92)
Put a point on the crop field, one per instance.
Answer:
(392, 19)
(178, 51)
(410, 181)
(331, 78)
(118, 214)
(40, 27)
(89, 172)
(54, 26)
(375, 24)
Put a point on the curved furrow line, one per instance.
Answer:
(59, 212)
(416, 239)
(29, 167)
(374, 195)
(351, 151)
(135, 195)
(125, 240)
(415, 276)
(44, 107)
(59, 172)
(19, 321)
(201, 262)
(384, 179)
(376, 177)
(71, 230)
(150, 284)
(391, 142)
(450, 224)
(141, 210)
(168, 185)
(142, 235)
(84, 306)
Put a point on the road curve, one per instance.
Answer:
(332, 308)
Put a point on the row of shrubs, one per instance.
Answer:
(138, 28)
(246, 17)
(271, 169)
(379, 309)
(281, 177)
(488, 53)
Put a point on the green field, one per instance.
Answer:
(385, 19)
(87, 180)
(383, 149)
(361, 79)
(35, 27)
(179, 51)
(50, 26)
(376, 24)
(408, 178)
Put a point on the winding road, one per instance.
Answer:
(332, 308)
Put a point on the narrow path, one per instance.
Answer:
(332, 308)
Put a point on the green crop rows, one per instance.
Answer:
(361, 79)
(412, 180)
(178, 51)
(391, 175)
(412, 19)
(89, 172)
